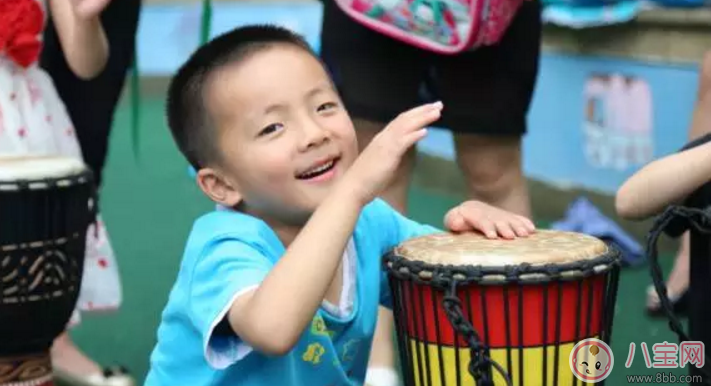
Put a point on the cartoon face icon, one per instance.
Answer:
(591, 360)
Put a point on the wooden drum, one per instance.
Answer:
(46, 206)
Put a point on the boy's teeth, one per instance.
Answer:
(318, 169)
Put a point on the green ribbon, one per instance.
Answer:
(135, 105)
(205, 28)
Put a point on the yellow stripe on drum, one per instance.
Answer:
(426, 358)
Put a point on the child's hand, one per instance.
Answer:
(491, 221)
(88, 9)
(375, 166)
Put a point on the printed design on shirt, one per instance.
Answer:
(319, 328)
(350, 350)
(313, 353)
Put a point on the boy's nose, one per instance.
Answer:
(312, 135)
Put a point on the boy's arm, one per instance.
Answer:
(664, 182)
(272, 317)
(81, 35)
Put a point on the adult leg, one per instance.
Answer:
(91, 105)
(487, 94)
(492, 168)
(378, 78)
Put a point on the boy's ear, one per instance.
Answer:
(218, 188)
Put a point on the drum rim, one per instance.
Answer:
(82, 177)
(442, 274)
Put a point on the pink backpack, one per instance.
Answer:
(442, 26)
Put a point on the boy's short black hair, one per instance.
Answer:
(188, 118)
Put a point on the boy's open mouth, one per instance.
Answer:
(318, 170)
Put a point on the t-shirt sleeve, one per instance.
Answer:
(701, 198)
(227, 269)
(394, 228)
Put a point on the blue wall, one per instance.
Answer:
(556, 150)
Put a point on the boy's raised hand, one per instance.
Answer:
(379, 161)
(491, 221)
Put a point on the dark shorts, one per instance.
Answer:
(487, 91)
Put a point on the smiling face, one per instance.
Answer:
(592, 361)
(283, 135)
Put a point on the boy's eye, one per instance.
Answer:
(326, 106)
(270, 129)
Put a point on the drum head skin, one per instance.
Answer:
(37, 168)
(473, 249)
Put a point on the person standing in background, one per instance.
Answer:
(91, 105)
(486, 93)
(678, 280)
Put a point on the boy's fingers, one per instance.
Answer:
(527, 223)
(504, 229)
(415, 123)
(416, 119)
(458, 224)
(483, 224)
(409, 139)
(488, 229)
(520, 228)
(419, 110)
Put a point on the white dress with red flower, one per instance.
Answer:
(34, 121)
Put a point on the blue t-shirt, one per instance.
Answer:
(228, 253)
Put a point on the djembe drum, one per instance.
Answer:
(46, 206)
(471, 310)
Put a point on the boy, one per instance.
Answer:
(282, 286)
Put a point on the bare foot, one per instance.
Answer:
(67, 357)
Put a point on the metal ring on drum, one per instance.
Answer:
(46, 207)
(476, 311)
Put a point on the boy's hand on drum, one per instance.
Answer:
(491, 221)
(379, 161)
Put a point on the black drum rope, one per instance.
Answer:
(480, 361)
(699, 220)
